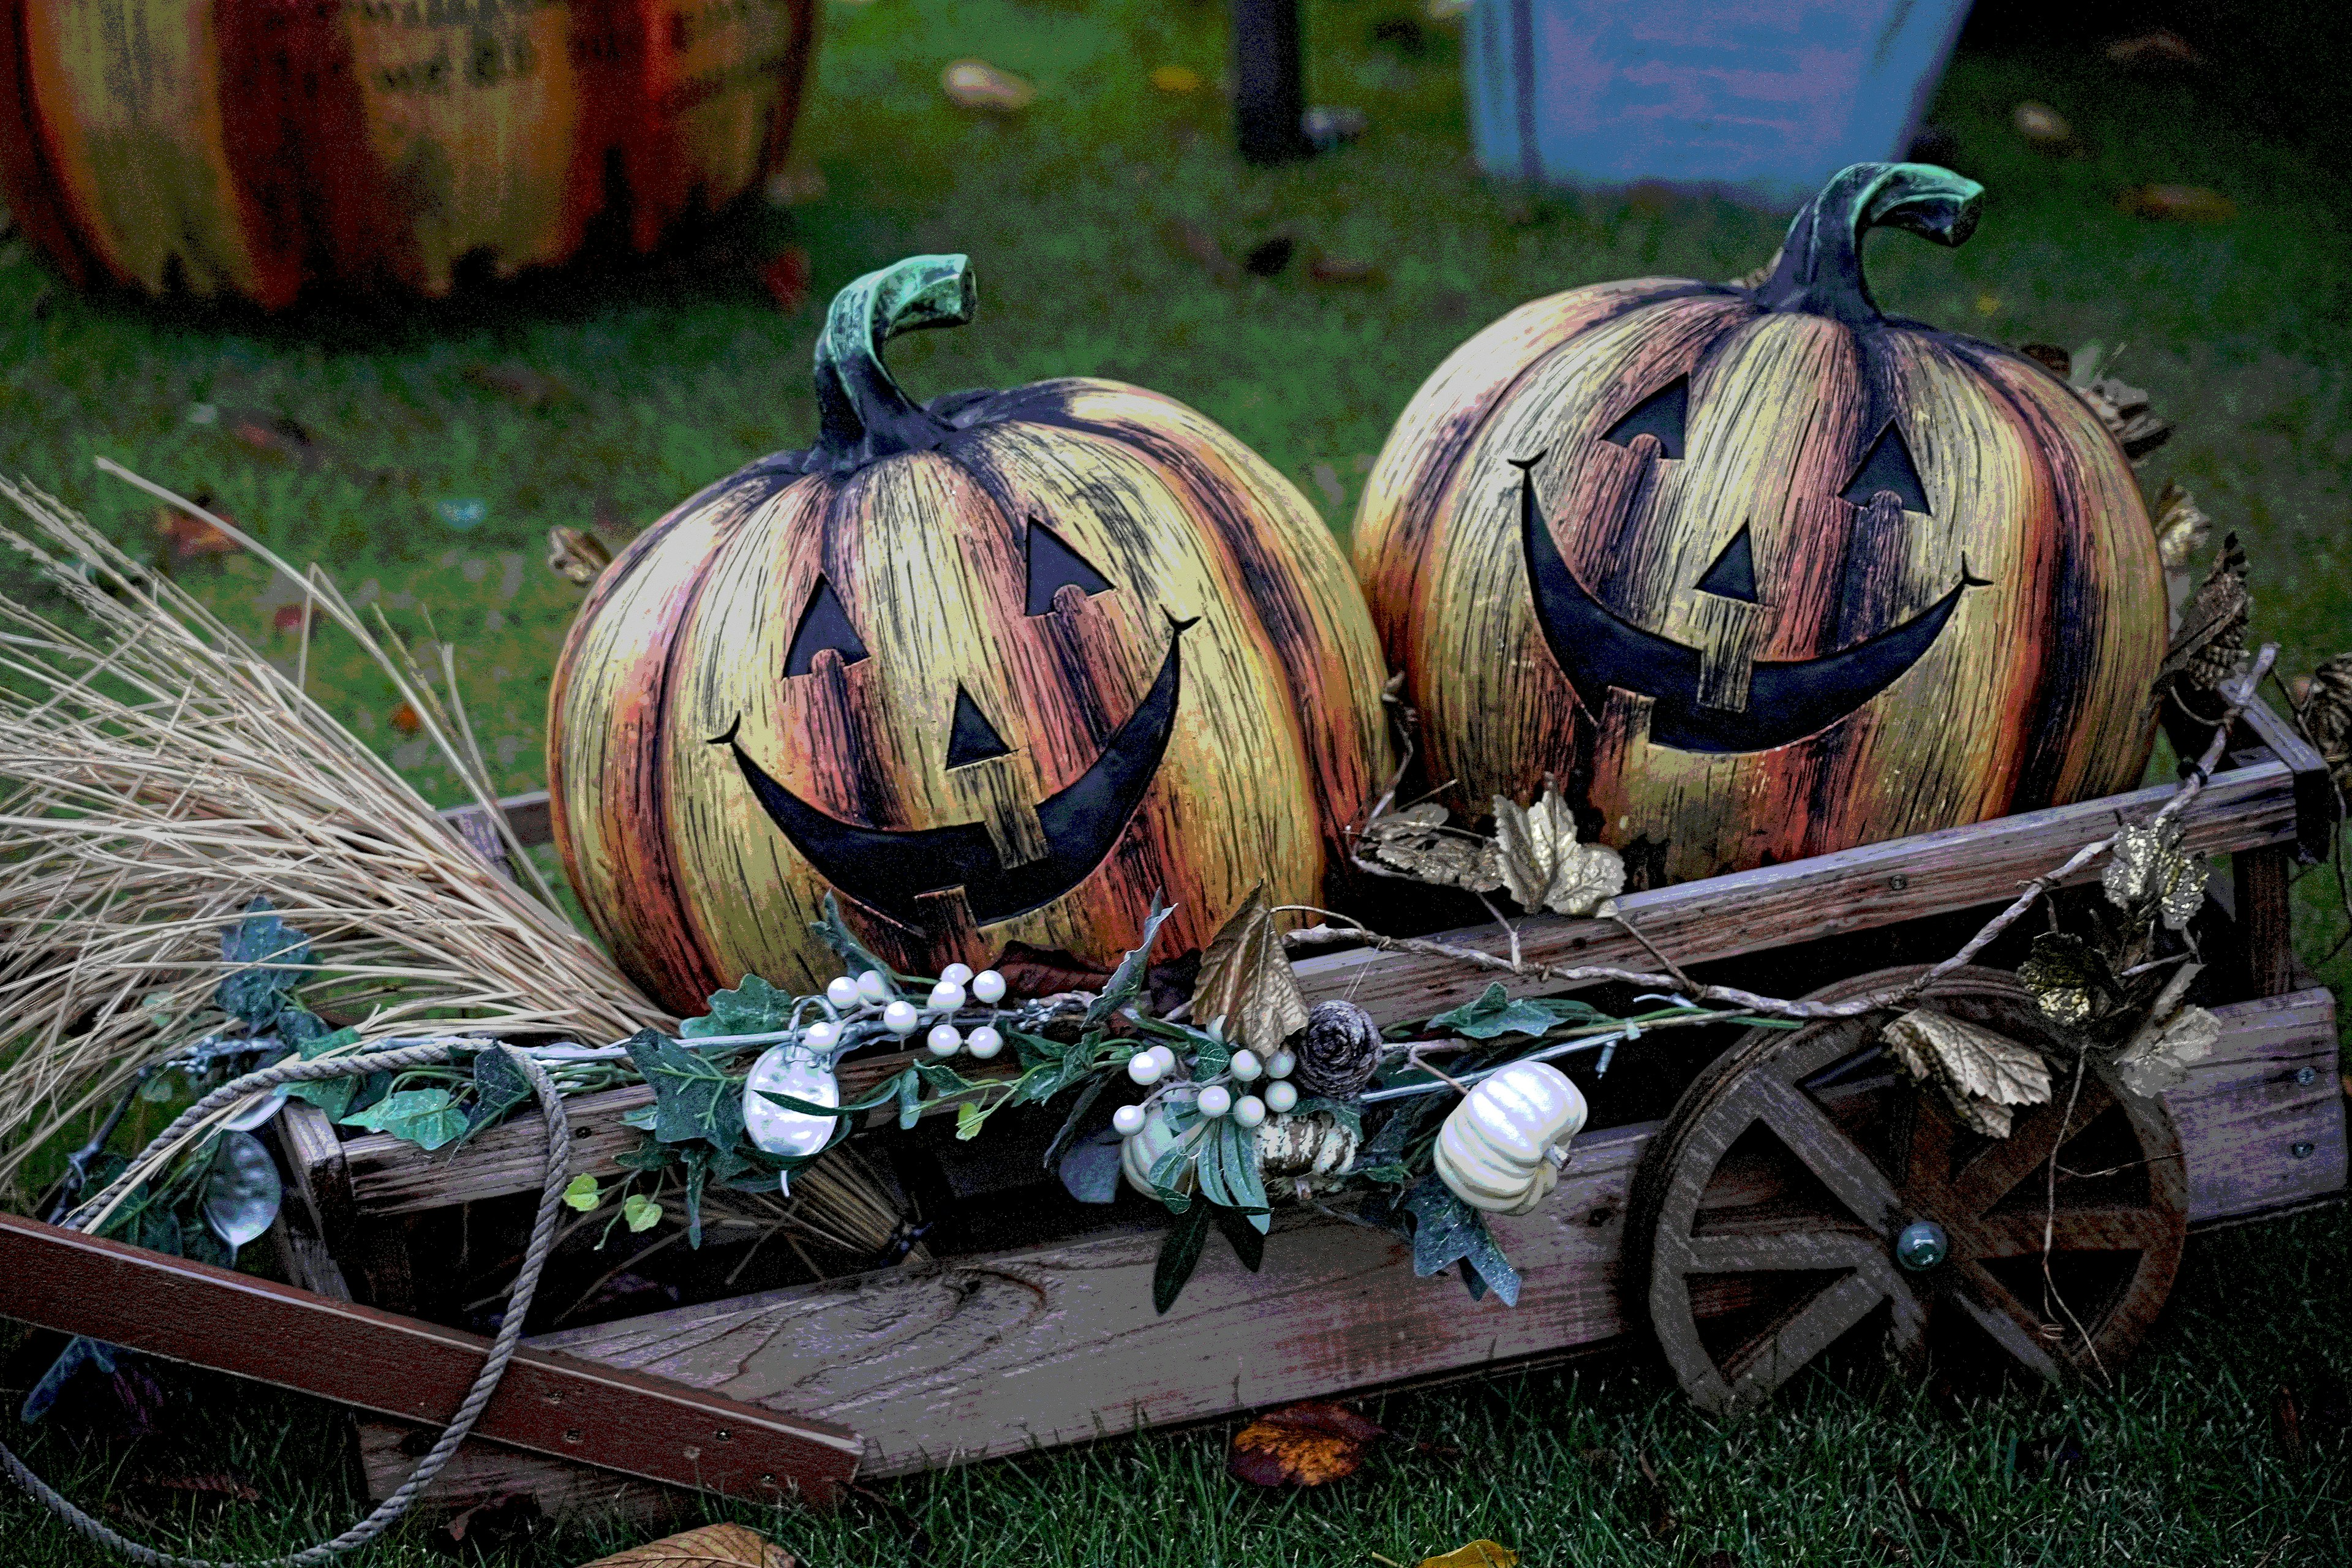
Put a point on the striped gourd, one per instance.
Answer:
(258, 147)
(1760, 572)
(995, 669)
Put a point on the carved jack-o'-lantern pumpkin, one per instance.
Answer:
(1762, 572)
(995, 669)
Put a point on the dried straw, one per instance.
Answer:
(157, 774)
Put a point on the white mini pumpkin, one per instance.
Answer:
(1501, 1149)
(793, 1069)
(1140, 1149)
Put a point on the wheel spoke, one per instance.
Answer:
(1996, 1173)
(2103, 1228)
(1827, 1152)
(1737, 1252)
(1927, 1152)
(1765, 1366)
(2004, 1318)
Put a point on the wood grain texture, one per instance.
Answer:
(290, 1337)
(2033, 692)
(1214, 573)
(226, 147)
(993, 1355)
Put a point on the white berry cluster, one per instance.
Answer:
(1214, 1097)
(902, 1017)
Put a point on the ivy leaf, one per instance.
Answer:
(582, 1193)
(693, 1100)
(427, 1118)
(704, 1165)
(640, 1116)
(648, 1155)
(753, 1007)
(640, 1213)
(1126, 983)
(1447, 1231)
(1497, 1012)
(1545, 868)
(253, 992)
(332, 1095)
(1247, 981)
(1180, 1254)
(499, 1088)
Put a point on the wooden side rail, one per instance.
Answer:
(551, 1405)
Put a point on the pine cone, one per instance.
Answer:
(1340, 1051)
(2326, 714)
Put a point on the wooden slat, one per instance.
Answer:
(526, 815)
(288, 1338)
(1828, 895)
(1056, 1344)
(2315, 791)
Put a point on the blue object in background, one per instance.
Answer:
(1761, 99)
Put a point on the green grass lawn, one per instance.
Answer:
(1073, 214)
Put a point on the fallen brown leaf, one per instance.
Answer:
(190, 537)
(404, 718)
(2044, 128)
(1477, 1554)
(2051, 354)
(1307, 1445)
(786, 277)
(976, 84)
(2160, 46)
(712, 1546)
(519, 382)
(2178, 204)
(1201, 246)
(288, 617)
(277, 436)
(220, 1489)
(1346, 273)
(1180, 81)
(1664, 1524)
(576, 556)
(496, 1524)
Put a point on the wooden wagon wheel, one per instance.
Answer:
(1803, 1189)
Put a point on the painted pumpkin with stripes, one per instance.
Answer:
(260, 147)
(997, 668)
(1760, 571)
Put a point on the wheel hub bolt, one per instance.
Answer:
(1921, 1246)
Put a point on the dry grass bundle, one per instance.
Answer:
(157, 774)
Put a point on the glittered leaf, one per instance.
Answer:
(1543, 865)
(2326, 713)
(2181, 528)
(2070, 979)
(712, 1546)
(1982, 1074)
(1417, 843)
(1307, 1445)
(1126, 983)
(2161, 1058)
(1447, 1231)
(499, 1088)
(332, 1095)
(2146, 871)
(271, 957)
(1246, 981)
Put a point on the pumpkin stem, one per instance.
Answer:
(861, 412)
(1821, 262)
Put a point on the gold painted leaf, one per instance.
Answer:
(2160, 1059)
(1477, 1554)
(1982, 1074)
(1246, 979)
(1417, 842)
(712, 1546)
(2070, 979)
(2148, 869)
(2182, 530)
(1545, 868)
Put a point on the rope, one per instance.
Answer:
(503, 1348)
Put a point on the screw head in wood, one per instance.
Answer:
(2305, 1075)
(2303, 1151)
(1921, 1246)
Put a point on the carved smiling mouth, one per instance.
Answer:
(894, 871)
(1785, 700)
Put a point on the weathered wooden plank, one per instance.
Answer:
(1828, 895)
(1056, 1344)
(290, 1337)
(526, 815)
(2263, 1119)
(2315, 791)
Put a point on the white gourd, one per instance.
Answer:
(788, 1069)
(1501, 1149)
(1140, 1149)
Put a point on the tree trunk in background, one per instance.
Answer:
(1269, 81)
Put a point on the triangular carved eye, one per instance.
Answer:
(825, 624)
(1661, 415)
(1733, 576)
(1052, 565)
(970, 737)
(1888, 467)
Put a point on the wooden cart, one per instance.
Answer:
(1750, 1224)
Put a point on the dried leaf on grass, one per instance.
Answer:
(1247, 981)
(786, 276)
(712, 1546)
(188, 536)
(2182, 530)
(519, 383)
(576, 556)
(976, 84)
(1305, 1445)
(1545, 868)
(1477, 1554)
(2124, 410)
(2044, 128)
(1983, 1075)
(1417, 842)
(2178, 204)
